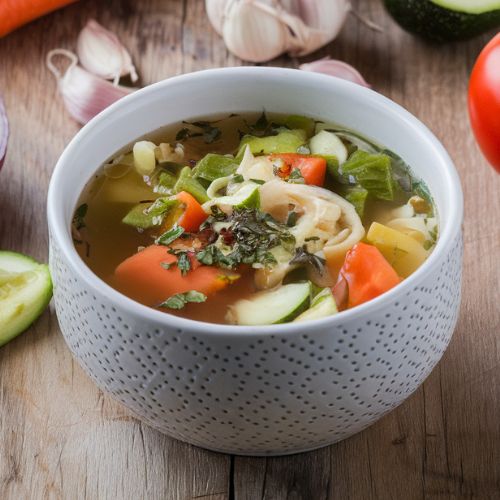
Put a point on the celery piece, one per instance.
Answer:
(138, 217)
(372, 171)
(187, 183)
(149, 214)
(167, 179)
(213, 166)
(302, 123)
(287, 141)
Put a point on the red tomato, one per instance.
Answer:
(484, 101)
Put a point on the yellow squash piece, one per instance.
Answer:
(404, 253)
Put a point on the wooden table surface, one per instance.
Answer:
(61, 437)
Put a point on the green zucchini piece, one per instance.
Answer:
(301, 122)
(247, 196)
(213, 166)
(322, 305)
(149, 214)
(187, 183)
(326, 143)
(25, 292)
(287, 141)
(445, 20)
(280, 305)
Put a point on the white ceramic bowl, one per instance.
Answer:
(258, 390)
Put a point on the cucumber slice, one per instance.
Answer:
(25, 291)
(322, 305)
(326, 143)
(445, 20)
(271, 307)
(287, 141)
(247, 196)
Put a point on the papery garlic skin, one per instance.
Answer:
(84, 94)
(334, 67)
(260, 30)
(101, 53)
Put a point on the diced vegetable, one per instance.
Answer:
(312, 168)
(326, 143)
(371, 171)
(149, 214)
(403, 252)
(213, 166)
(287, 141)
(271, 307)
(193, 215)
(247, 196)
(186, 182)
(367, 274)
(301, 122)
(144, 157)
(322, 305)
(152, 276)
(356, 195)
(25, 291)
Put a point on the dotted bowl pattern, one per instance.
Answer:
(262, 394)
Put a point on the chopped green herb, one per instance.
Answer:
(312, 238)
(166, 265)
(296, 177)
(237, 178)
(209, 133)
(252, 234)
(291, 218)
(179, 300)
(183, 262)
(170, 236)
(78, 218)
(258, 181)
(303, 257)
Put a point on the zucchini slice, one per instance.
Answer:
(326, 143)
(25, 291)
(446, 20)
(322, 305)
(280, 305)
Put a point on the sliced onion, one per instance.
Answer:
(4, 132)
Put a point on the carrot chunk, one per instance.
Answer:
(312, 168)
(193, 215)
(151, 276)
(367, 274)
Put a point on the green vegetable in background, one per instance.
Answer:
(446, 20)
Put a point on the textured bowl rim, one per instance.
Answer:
(449, 229)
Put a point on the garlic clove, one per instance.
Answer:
(215, 12)
(101, 53)
(253, 31)
(84, 94)
(259, 30)
(334, 67)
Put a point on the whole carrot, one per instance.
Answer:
(15, 13)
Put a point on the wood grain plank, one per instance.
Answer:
(60, 437)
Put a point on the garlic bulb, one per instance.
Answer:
(84, 94)
(259, 30)
(101, 52)
(336, 68)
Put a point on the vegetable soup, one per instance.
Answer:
(254, 219)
